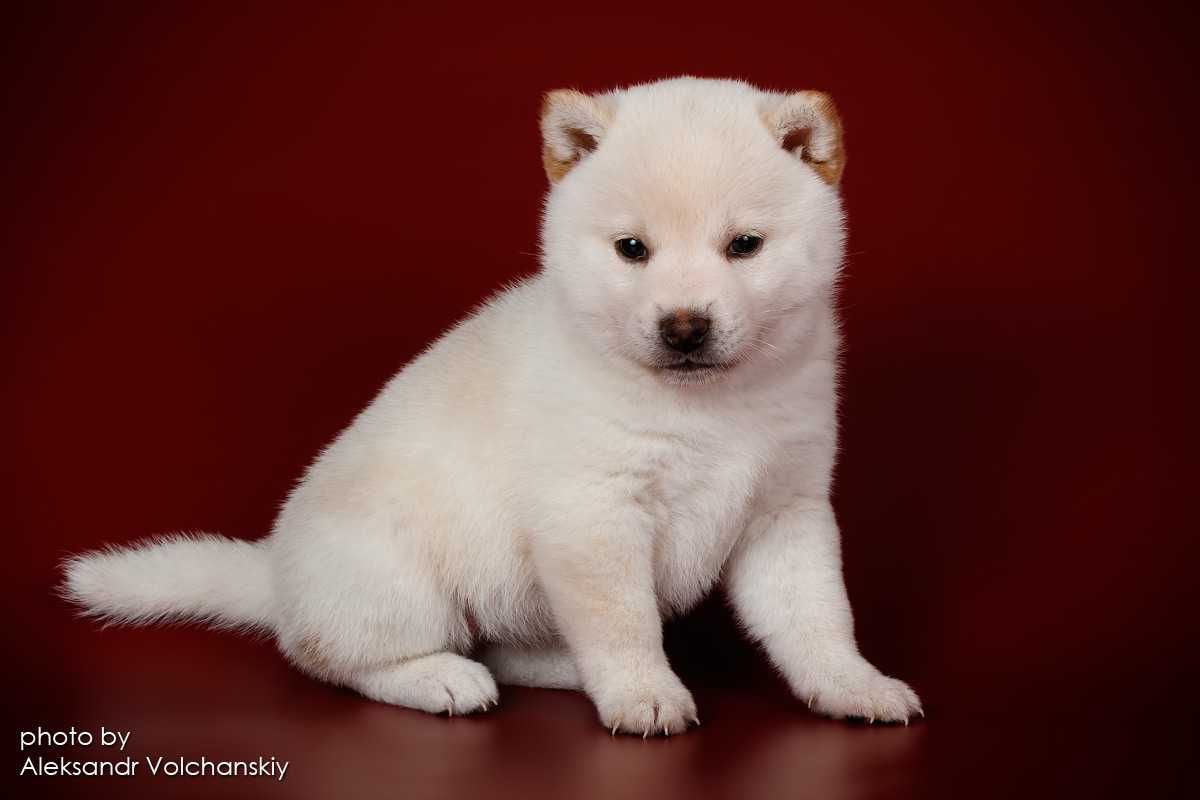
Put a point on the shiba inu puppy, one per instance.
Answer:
(595, 449)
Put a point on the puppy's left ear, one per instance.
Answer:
(573, 124)
(807, 125)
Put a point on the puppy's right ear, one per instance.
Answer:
(807, 125)
(573, 124)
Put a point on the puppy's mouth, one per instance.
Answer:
(693, 366)
(689, 369)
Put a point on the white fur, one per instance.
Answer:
(537, 484)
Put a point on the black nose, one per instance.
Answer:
(683, 330)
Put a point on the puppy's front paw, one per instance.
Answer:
(862, 691)
(656, 704)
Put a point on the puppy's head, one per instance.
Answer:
(692, 222)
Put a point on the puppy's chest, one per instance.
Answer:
(699, 490)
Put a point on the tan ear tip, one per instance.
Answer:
(823, 102)
(556, 98)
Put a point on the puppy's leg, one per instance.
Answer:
(371, 615)
(547, 666)
(786, 585)
(598, 575)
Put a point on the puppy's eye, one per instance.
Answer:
(632, 249)
(744, 244)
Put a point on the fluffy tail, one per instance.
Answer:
(183, 577)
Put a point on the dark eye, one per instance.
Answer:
(632, 249)
(744, 244)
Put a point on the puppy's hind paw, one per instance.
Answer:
(438, 683)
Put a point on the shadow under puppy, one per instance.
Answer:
(594, 449)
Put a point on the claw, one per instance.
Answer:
(697, 721)
(906, 722)
(921, 711)
(871, 721)
(646, 734)
(811, 698)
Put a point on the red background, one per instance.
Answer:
(226, 226)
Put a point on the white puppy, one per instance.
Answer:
(593, 450)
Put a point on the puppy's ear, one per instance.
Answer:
(807, 125)
(573, 124)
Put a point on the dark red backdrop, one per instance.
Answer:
(225, 227)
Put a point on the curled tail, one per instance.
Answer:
(185, 577)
